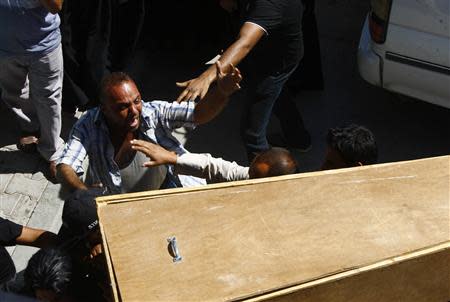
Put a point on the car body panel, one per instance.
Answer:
(369, 62)
(415, 58)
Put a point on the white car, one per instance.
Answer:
(404, 48)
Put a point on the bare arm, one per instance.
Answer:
(249, 36)
(36, 237)
(53, 6)
(69, 179)
(228, 80)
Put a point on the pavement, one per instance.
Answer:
(27, 197)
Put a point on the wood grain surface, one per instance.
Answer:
(247, 239)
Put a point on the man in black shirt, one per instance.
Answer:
(12, 234)
(9, 231)
(271, 41)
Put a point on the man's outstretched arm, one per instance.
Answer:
(68, 178)
(228, 79)
(249, 36)
(201, 165)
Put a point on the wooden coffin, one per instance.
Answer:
(375, 233)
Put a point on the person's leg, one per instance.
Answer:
(46, 75)
(126, 31)
(291, 121)
(15, 92)
(262, 94)
(96, 62)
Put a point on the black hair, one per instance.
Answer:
(49, 269)
(354, 143)
(110, 80)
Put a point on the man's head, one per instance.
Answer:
(80, 219)
(120, 102)
(48, 274)
(273, 162)
(350, 146)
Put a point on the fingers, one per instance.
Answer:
(220, 71)
(183, 96)
(203, 93)
(187, 95)
(182, 84)
(95, 251)
(141, 144)
(148, 152)
(150, 164)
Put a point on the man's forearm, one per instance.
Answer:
(208, 108)
(67, 176)
(233, 55)
(53, 6)
(249, 36)
(36, 237)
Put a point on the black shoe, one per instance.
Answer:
(302, 145)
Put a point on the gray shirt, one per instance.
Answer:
(136, 178)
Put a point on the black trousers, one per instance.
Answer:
(98, 37)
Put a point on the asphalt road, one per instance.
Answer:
(404, 128)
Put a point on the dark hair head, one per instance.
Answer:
(356, 144)
(80, 212)
(273, 162)
(112, 79)
(48, 269)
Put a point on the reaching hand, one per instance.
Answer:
(228, 78)
(194, 88)
(157, 154)
(95, 251)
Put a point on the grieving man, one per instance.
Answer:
(104, 134)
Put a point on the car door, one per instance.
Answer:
(416, 52)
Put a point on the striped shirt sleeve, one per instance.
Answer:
(75, 149)
(175, 115)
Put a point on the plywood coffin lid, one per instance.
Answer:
(252, 238)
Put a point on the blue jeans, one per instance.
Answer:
(264, 92)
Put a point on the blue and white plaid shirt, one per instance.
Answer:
(90, 136)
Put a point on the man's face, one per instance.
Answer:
(123, 106)
(333, 160)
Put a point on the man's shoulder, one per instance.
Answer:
(88, 119)
(89, 115)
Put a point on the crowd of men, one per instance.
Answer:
(123, 143)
